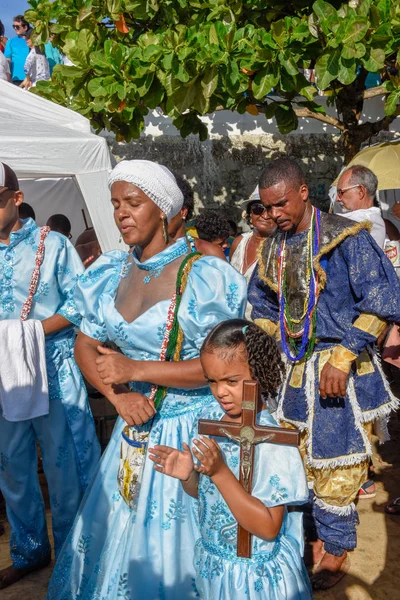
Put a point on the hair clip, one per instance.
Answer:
(244, 329)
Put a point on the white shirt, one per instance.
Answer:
(4, 67)
(373, 215)
(37, 67)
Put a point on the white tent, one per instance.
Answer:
(61, 165)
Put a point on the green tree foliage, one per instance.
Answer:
(193, 57)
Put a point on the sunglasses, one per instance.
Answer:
(17, 27)
(257, 209)
(341, 191)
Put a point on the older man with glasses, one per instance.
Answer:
(356, 194)
(16, 50)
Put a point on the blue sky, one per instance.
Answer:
(8, 10)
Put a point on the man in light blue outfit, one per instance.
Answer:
(66, 435)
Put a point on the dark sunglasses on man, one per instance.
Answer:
(17, 27)
(257, 209)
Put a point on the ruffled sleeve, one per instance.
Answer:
(215, 292)
(279, 476)
(101, 277)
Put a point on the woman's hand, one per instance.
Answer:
(134, 408)
(173, 462)
(208, 453)
(113, 367)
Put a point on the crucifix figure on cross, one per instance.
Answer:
(247, 433)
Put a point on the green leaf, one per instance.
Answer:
(347, 71)
(184, 96)
(286, 118)
(289, 64)
(86, 41)
(263, 83)
(374, 60)
(308, 91)
(392, 102)
(270, 110)
(355, 32)
(209, 82)
(326, 14)
(155, 95)
(327, 68)
(95, 87)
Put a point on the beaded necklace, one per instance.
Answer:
(308, 318)
(155, 268)
(39, 257)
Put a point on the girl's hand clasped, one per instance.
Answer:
(208, 453)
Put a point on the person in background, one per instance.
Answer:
(61, 224)
(213, 227)
(66, 434)
(245, 247)
(88, 247)
(26, 211)
(16, 50)
(36, 65)
(176, 226)
(3, 39)
(356, 194)
(5, 72)
(53, 55)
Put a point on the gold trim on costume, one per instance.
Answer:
(370, 324)
(324, 356)
(262, 268)
(364, 364)
(267, 325)
(296, 379)
(332, 244)
(342, 358)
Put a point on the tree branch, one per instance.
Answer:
(309, 114)
(373, 92)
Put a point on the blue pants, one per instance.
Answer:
(70, 453)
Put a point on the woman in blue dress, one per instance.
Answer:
(134, 535)
(236, 351)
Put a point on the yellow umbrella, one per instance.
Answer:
(384, 161)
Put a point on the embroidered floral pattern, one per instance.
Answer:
(280, 493)
(192, 307)
(42, 291)
(176, 512)
(150, 511)
(232, 297)
(84, 547)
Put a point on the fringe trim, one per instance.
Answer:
(349, 231)
(341, 511)
(339, 461)
(262, 270)
(382, 411)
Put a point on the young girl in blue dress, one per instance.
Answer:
(236, 351)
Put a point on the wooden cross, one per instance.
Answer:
(247, 433)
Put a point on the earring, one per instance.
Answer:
(165, 229)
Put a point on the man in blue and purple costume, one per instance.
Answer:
(66, 434)
(326, 290)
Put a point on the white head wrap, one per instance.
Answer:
(156, 181)
(2, 175)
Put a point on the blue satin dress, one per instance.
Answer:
(115, 552)
(67, 435)
(275, 570)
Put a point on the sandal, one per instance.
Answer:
(367, 490)
(393, 508)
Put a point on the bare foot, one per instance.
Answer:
(313, 553)
(11, 575)
(330, 571)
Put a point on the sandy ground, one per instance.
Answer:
(374, 573)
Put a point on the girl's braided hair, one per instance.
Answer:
(266, 366)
